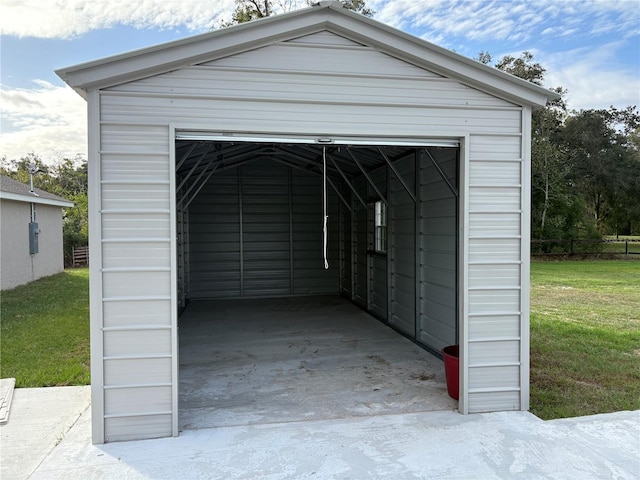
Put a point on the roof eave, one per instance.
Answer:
(331, 16)
(35, 199)
(165, 57)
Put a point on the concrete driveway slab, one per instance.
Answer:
(434, 445)
(38, 421)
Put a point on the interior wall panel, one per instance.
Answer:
(214, 233)
(257, 231)
(402, 244)
(309, 274)
(361, 245)
(438, 249)
(378, 277)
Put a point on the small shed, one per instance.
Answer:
(31, 233)
(214, 160)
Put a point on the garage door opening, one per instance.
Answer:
(267, 333)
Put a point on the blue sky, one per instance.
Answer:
(589, 47)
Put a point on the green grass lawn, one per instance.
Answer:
(585, 337)
(45, 331)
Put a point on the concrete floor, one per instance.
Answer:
(249, 362)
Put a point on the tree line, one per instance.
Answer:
(585, 164)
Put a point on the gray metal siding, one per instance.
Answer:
(494, 273)
(402, 239)
(361, 245)
(309, 275)
(292, 89)
(438, 250)
(265, 226)
(136, 281)
(345, 249)
(214, 232)
(257, 231)
(377, 262)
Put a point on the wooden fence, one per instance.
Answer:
(573, 246)
(80, 256)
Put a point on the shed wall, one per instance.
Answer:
(287, 88)
(18, 265)
(494, 273)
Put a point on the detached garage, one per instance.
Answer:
(311, 162)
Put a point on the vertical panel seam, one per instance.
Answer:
(525, 281)
(174, 282)
(95, 266)
(463, 229)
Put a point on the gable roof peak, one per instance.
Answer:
(326, 15)
(329, 3)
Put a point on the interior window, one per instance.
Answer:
(380, 227)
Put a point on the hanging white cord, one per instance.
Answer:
(324, 205)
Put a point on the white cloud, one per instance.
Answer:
(71, 18)
(48, 120)
(513, 21)
(592, 78)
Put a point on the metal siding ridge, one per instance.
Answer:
(129, 328)
(134, 153)
(496, 314)
(496, 212)
(136, 240)
(135, 269)
(309, 101)
(495, 187)
(495, 339)
(134, 211)
(494, 390)
(138, 357)
(496, 134)
(495, 364)
(136, 385)
(279, 71)
(495, 237)
(135, 182)
(325, 46)
(137, 414)
(130, 124)
(139, 298)
(498, 288)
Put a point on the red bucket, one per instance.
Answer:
(451, 370)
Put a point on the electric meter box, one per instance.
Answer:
(33, 237)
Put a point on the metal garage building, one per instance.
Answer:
(207, 164)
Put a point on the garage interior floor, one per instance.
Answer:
(260, 361)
